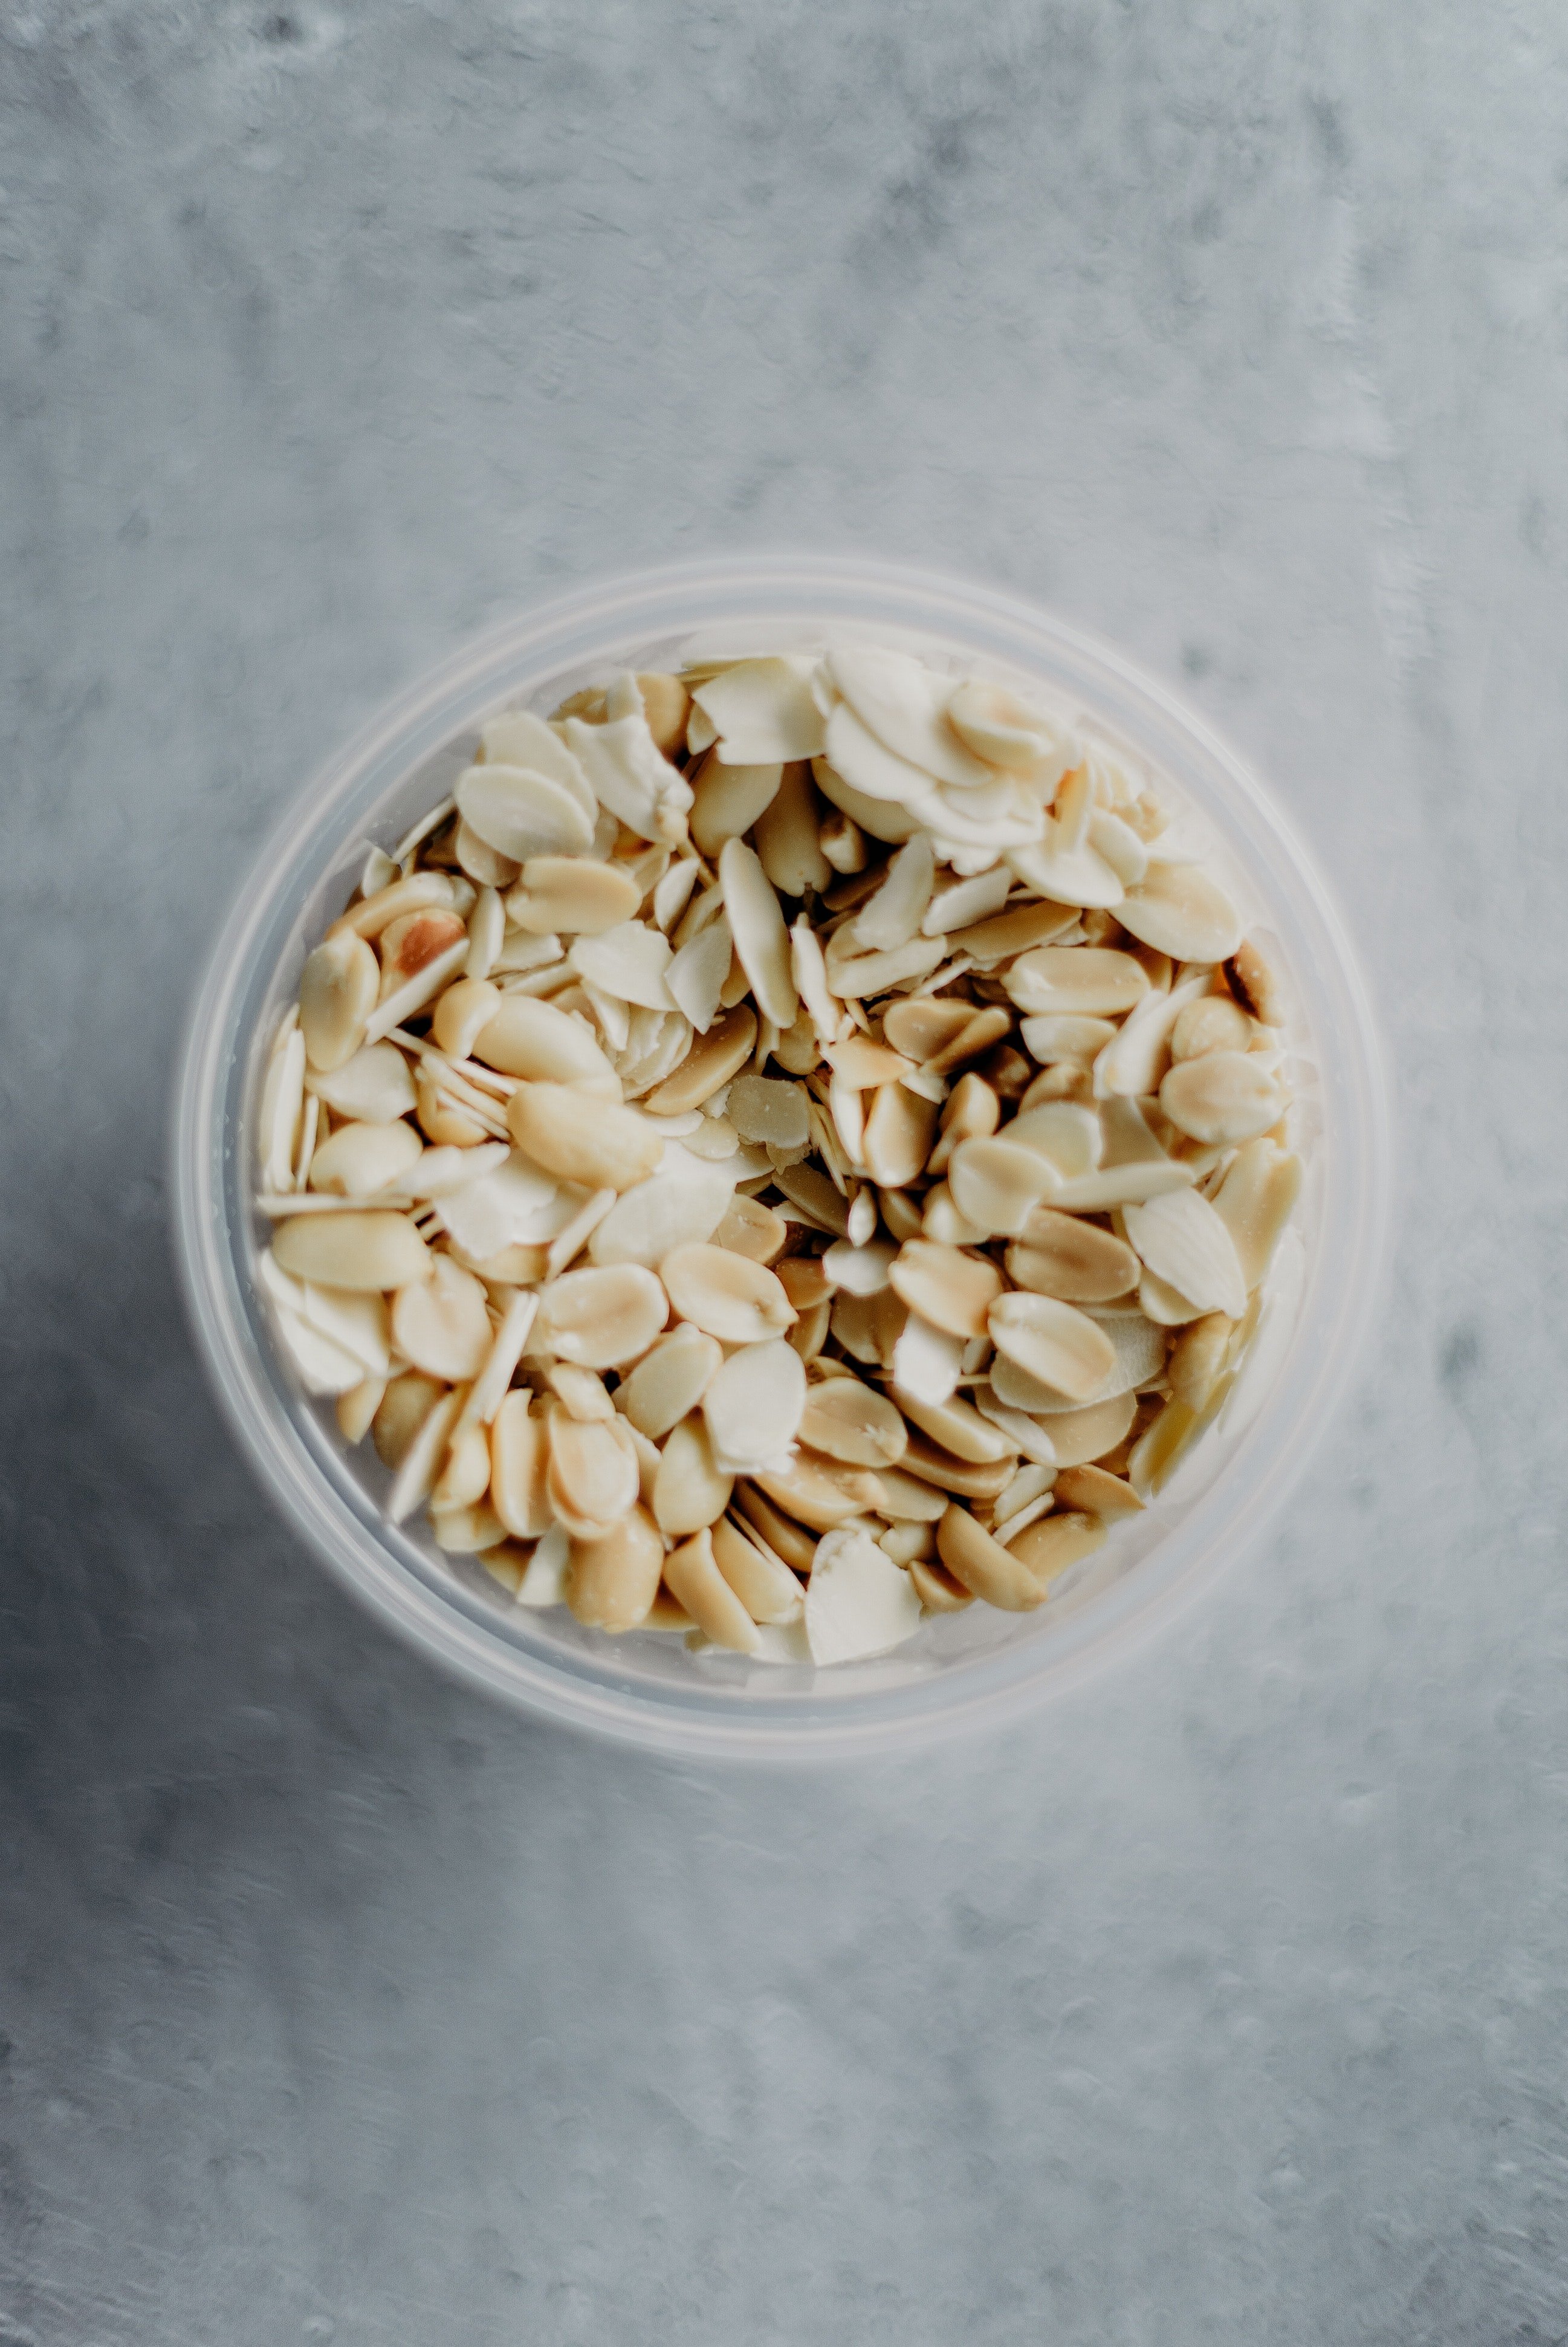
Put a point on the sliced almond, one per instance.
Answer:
(592, 1479)
(1182, 1240)
(521, 814)
(1091, 1491)
(757, 927)
(1048, 1548)
(360, 1159)
(668, 1382)
(356, 1409)
(576, 896)
(374, 1086)
(667, 706)
(1005, 732)
(931, 1462)
(338, 988)
(628, 962)
(763, 709)
(865, 1066)
(604, 1317)
(401, 1412)
(359, 1251)
(766, 1587)
(580, 1138)
(1197, 1358)
(893, 916)
(957, 1427)
(996, 1183)
(693, 1578)
(752, 1229)
(708, 1066)
(612, 1580)
(1254, 985)
(466, 1477)
(753, 1406)
(740, 1302)
(1067, 1135)
(480, 861)
(727, 800)
(1222, 1098)
(920, 1026)
(820, 1491)
(691, 1489)
(853, 1422)
(1054, 1343)
(422, 1459)
(982, 1566)
(696, 978)
(519, 1460)
(859, 1270)
(952, 1290)
(899, 1130)
(787, 1539)
(1179, 910)
(1056, 1036)
(1012, 932)
(1059, 1254)
(882, 817)
(440, 1322)
(788, 842)
(384, 906)
(1254, 1203)
(937, 1589)
(1078, 1436)
(1078, 981)
(858, 976)
(1211, 1023)
(544, 1045)
(857, 1602)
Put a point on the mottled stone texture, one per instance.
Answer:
(1224, 2002)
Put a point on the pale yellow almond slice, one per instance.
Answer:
(1056, 1036)
(906, 1544)
(282, 1104)
(612, 1580)
(739, 1302)
(952, 1290)
(580, 1138)
(899, 1130)
(668, 1382)
(1222, 1098)
(1054, 1343)
(804, 1281)
(766, 1586)
(1060, 1255)
(353, 1250)
(466, 1477)
(788, 1540)
(1079, 1436)
(536, 1041)
(696, 978)
(481, 862)
(1007, 732)
(422, 1459)
(937, 1589)
(857, 1602)
(592, 1479)
(931, 1462)
(966, 903)
(1254, 1202)
(820, 1491)
(858, 976)
(1049, 1547)
(750, 1229)
(787, 839)
(1140, 1055)
(972, 1114)
(1066, 1133)
(691, 1488)
(921, 1025)
(693, 1578)
(708, 1066)
(401, 1412)
(893, 915)
(519, 1460)
(925, 1361)
(357, 1160)
(1026, 1487)
(419, 891)
(1212, 1023)
(843, 844)
(1180, 910)
(356, 1409)
(1089, 1490)
(465, 1531)
(859, 1270)
(338, 990)
(885, 819)
(628, 962)
(727, 799)
(763, 1110)
(1182, 1240)
(909, 1499)
(1075, 877)
(604, 1317)
(1014, 932)
(902, 703)
(983, 1566)
(996, 1183)
(850, 1421)
(1197, 1358)
(865, 1065)
(1254, 985)
(373, 1087)
(521, 814)
(757, 927)
(1081, 981)
(441, 1323)
(574, 896)
(763, 709)
(1161, 1448)
(752, 1407)
(1118, 844)
(957, 1427)
(462, 1015)
(977, 1035)
(1028, 1434)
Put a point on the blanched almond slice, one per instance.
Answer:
(387, 905)
(1134, 1062)
(1048, 1548)
(1027, 1434)
(843, 844)
(1222, 1098)
(1005, 732)
(900, 702)
(536, 1041)
(708, 1066)
(1054, 1343)
(1197, 1358)
(421, 1461)
(409, 946)
(805, 1187)
(666, 705)
(520, 813)
(856, 977)
(898, 1134)
(761, 1109)
(1181, 911)
(518, 737)
(859, 1270)
(727, 799)
(908, 1498)
(1014, 932)
(1255, 1201)
(892, 916)
(480, 861)
(1165, 1304)
(820, 1491)
(972, 1114)
(1076, 877)
(957, 1427)
(788, 843)
(1078, 1436)
(845, 1420)
(612, 1580)
(934, 1586)
(462, 1015)
(1059, 1255)
(967, 902)
(359, 1251)
(581, 1138)
(693, 1578)
(865, 1065)
(925, 1360)
(440, 1322)
(1254, 985)
(986, 1028)
(881, 816)
(784, 1537)
(748, 1227)
(592, 1479)
(695, 978)
(1084, 981)
(519, 1458)
(739, 1302)
(767, 1589)
(690, 1490)
(983, 1566)
(282, 1100)
(1212, 1023)
(325, 1368)
(1091, 1491)
(338, 988)
(804, 1281)
(1066, 1134)
(629, 961)
(574, 895)
(357, 1408)
(996, 1183)
(668, 1382)
(951, 1290)
(604, 1317)
(1054, 1036)
(373, 1087)
(466, 1477)
(857, 1601)
(628, 776)
(973, 1480)
(360, 1159)
(762, 709)
(673, 893)
(1182, 1240)
(752, 1407)
(922, 1025)
(401, 1412)
(757, 927)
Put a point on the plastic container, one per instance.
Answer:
(962, 1670)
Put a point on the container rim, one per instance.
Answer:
(1339, 1305)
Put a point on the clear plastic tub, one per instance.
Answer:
(968, 1669)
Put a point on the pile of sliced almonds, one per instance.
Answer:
(778, 1154)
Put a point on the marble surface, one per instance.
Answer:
(1225, 2000)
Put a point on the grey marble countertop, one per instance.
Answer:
(1227, 1999)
